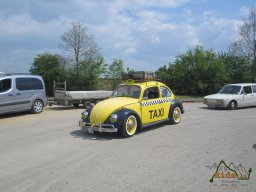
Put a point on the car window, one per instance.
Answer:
(165, 92)
(36, 83)
(231, 89)
(127, 91)
(254, 88)
(247, 89)
(151, 93)
(5, 85)
(23, 84)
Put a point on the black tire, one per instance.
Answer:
(129, 127)
(76, 105)
(87, 104)
(175, 115)
(232, 105)
(37, 106)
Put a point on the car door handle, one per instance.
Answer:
(18, 94)
(10, 95)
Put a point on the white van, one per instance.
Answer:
(22, 92)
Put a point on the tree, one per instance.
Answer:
(50, 68)
(164, 73)
(238, 67)
(114, 72)
(87, 76)
(86, 64)
(246, 44)
(79, 44)
(196, 72)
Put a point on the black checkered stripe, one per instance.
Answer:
(158, 101)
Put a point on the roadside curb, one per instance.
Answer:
(192, 100)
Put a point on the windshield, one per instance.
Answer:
(127, 91)
(231, 89)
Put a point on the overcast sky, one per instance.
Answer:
(145, 34)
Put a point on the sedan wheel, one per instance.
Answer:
(232, 105)
(175, 115)
(129, 126)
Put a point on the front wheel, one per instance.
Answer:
(232, 105)
(129, 126)
(37, 107)
(175, 115)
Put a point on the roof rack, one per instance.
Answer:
(139, 75)
(8, 74)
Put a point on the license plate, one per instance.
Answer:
(211, 106)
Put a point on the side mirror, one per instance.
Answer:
(145, 98)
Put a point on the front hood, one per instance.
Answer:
(102, 110)
(220, 96)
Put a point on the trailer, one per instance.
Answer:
(75, 98)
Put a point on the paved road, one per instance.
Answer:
(48, 152)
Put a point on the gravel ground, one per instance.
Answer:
(48, 152)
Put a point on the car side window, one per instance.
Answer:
(254, 88)
(247, 89)
(165, 92)
(151, 93)
(36, 84)
(23, 84)
(5, 85)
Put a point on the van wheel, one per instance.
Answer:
(129, 126)
(37, 106)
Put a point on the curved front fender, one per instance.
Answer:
(177, 102)
(121, 115)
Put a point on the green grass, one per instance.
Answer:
(189, 96)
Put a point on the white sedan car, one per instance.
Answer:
(233, 96)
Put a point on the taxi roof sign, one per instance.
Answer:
(139, 75)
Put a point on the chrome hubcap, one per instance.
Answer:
(38, 106)
(131, 125)
(176, 114)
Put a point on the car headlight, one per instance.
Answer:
(220, 101)
(85, 115)
(113, 118)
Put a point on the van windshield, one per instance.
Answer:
(127, 91)
(231, 89)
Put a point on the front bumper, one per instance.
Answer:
(106, 128)
(213, 103)
(216, 106)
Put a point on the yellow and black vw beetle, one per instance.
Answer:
(138, 103)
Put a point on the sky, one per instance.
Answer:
(145, 34)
